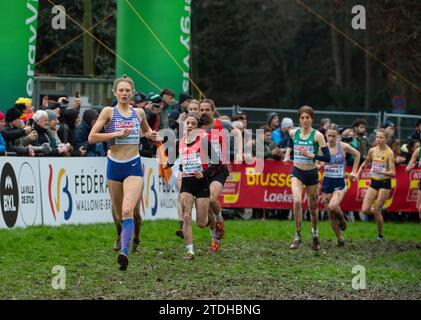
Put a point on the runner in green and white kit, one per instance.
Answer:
(307, 142)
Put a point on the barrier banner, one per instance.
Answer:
(272, 189)
(74, 191)
(20, 195)
(159, 199)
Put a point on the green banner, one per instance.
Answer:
(18, 25)
(170, 21)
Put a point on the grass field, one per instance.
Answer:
(254, 263)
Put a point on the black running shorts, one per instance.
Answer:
(199, 188)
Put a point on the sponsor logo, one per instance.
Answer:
(27, 194)
(9, 198)
(65, 190)
(149, 188)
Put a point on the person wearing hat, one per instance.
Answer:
(286, 126)
(152, 113)
(2, 142)
(55, 107)
(140, 100)
(53, 125)
(273, 123)
(168, 102)
(394, 143)
(177, 109)
(66, 132)
(416, 135)
(82, 131)
(17, 136)
(25, 106)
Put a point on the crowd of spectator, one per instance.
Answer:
(58, 128)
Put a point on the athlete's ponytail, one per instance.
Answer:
(205, 120)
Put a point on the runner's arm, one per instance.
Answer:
(357, 156)
(104, 117)
(411, 164)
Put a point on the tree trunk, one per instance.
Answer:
(88, 44)
(336, 53)
(347, 63)
(368, 71)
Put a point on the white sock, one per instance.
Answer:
(189, 247)
(314, 232)
(218, 216)
(298, 235)
(213, 233)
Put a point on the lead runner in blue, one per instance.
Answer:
(305, 144)
(123, 125)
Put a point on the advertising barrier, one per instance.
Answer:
(57, 191)
(272, 188)
(20, 193)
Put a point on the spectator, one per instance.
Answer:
(140, 100)
(152, 113)
(408, 149)
(286, 126)
(394, 143)
(416, 135)
(55, 107)
(270, 149)
(240, 117)
(82, 131)
(47, 145)
(177, 109)
(2, 142)
(168, 101)
(192, 107)
(25, 107)
(360, 141)
(18, 137)
(66, 132)
(347, 136)
(53, 126)
(273, 123)
(324, 123)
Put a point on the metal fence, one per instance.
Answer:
(404, 123)
(93, 92)
(98, 93)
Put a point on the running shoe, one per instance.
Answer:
(215, 245)
(316, 244)
(380, 238)
(136, 245)
(117, 244)
(342, 222)
(220, 229)
(179, 233)
(341, 242)
(189, 255)
(123, 261)
(295, 244)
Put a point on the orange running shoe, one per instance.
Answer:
(214, 246)
(220, 230)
